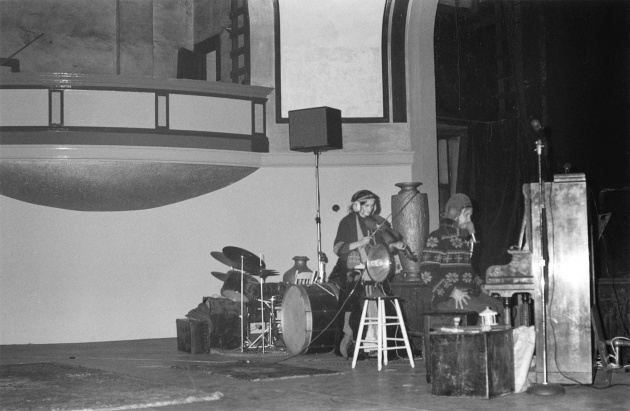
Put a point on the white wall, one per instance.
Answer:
(69, 276)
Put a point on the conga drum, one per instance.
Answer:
(308, 313)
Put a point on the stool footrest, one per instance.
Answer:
(394, 348)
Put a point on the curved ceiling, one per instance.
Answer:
(112, 185)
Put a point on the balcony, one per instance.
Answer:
(80, 109)
(100, 143)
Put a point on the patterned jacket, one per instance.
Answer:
(446, 263)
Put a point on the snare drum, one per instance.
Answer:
(308, 313)
(232, 287)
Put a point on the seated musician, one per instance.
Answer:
(446, 263)
(352, 244)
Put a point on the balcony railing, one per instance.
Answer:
(117, 110)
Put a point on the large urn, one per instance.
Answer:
(410, 217)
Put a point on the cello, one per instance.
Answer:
(379, 226)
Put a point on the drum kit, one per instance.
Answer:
(259, 300)
(298, 317)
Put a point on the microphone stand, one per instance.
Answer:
(545, 388)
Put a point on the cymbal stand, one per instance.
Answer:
(242, 306)
(273, 325)
(262, 309)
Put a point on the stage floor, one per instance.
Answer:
(145, 371)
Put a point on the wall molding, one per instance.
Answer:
(201, 156)
(67, 80)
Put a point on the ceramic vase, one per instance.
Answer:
(299, 267)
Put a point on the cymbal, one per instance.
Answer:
(219, 276)
(220, 257)
(251, 262)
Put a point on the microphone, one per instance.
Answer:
(471, 231)
(473, 240)
(536, 125)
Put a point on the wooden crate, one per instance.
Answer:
(472, 364)
(433, 320)
(193, 336)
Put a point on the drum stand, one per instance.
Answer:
(267, 336)
(262, 316)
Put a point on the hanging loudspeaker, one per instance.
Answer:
(315, 129)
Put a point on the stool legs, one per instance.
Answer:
(360, 343)
(381, 335)
(382, 340)
(404, 332)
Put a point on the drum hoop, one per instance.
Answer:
(308, 311)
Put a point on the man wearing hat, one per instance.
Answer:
(446, 263)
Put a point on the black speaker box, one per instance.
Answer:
(315, 129)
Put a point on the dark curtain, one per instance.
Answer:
(501, 157)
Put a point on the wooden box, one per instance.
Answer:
(468, 364)
(433, 320)
(193, 336)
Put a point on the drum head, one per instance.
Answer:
(296, 310)
(380, 264)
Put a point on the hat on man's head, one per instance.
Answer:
(455, 204)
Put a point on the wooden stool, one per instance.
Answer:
(381, 322)
(436, 319)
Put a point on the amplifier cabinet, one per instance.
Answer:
(193, 336)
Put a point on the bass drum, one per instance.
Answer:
(308, 312)
(232, 287)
